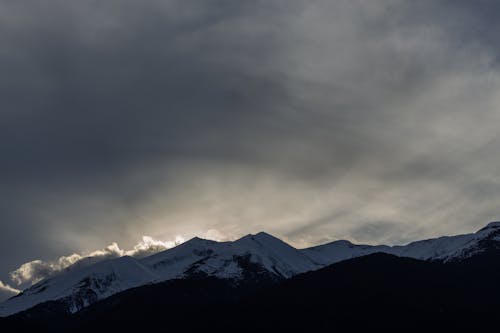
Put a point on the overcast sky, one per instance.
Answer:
(375, 121)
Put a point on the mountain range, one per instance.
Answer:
(260, 283)
(269, 258)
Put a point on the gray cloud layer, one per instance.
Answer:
(369, 120)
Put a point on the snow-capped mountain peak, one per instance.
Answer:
(274, 254)
(78, 288)
(254, 256)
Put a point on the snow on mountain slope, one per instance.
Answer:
(81, 287)
(446, 248)
(253, 256)
(450, 248)
(219, 258)
(333, 252)
(173, 263)
(274, 254)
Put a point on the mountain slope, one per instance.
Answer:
(78, 288)
(446, 248)
(333, 252)
(258, 258)
(224, 259)
(373, 291)
(452, 248)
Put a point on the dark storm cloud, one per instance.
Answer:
(91, 91)
(313, 120)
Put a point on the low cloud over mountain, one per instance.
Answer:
(37, 270)
(7, 291)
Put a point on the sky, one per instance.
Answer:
(131, 126)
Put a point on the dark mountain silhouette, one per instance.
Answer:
(260, 283)
(377, 290)
(257, 257)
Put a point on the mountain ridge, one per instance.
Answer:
(258, 256)
(379, 290)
